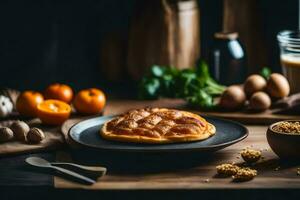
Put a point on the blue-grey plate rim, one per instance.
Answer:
(210, 148)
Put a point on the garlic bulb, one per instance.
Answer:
(6, 106)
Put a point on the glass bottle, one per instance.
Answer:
(228, 59)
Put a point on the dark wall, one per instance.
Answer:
(54, 41)
(58, 41)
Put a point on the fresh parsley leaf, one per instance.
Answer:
(149, 88)
(202, 70)
(157, 71)
(195, 85)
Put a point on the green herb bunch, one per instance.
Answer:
(195, 85)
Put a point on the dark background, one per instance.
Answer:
(42, 42)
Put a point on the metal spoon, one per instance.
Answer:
(40, 162)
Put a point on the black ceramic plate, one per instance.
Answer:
(228, 132)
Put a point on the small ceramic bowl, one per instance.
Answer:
(285, 145)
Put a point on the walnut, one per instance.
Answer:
(20, 130)
(35, 135)
(6, 134)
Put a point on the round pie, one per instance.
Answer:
(157, 125)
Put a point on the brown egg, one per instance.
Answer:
(278, 86)
(233, 98)
(260, 101)
(254, 83)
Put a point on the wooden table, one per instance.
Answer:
(175, 173)
(271, 172)
(200, 175)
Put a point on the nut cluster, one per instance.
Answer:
(251, 155)
(244, 174)
(237, 173)
(227, 169)
(287, 127)
(21, 132)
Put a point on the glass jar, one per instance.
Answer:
(289, 44)
(227, 59)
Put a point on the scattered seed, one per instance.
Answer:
(298, 171)
(288, 127)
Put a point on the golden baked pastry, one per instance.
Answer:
(157, 125)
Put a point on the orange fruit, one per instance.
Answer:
(53, 112)
(90, 101)
(60, 92)
(27, 103)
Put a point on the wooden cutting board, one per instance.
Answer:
(54, 140)
(251, 118)
(267, 117)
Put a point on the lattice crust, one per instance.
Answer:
(157, 125)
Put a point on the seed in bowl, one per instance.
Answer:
(227, 169)
(287, 127)
(244, 174)
(251, 155)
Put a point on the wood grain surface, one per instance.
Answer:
(264, 118)
(175, 25)
(202, 175)
(246, 18)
